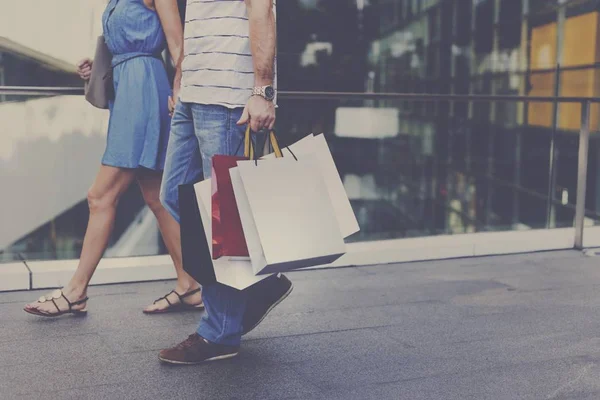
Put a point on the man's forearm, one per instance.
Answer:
(178, 72)
(263, 40)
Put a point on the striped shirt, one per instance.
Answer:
(217, 68)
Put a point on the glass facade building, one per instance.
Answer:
(481, 165)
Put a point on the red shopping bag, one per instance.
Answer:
(228, 235)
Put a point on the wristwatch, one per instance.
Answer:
(266, 92)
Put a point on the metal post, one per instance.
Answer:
(2, 78)
(550, 208)
(584, 141)
(494, 125)
(517, 175)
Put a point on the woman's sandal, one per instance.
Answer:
(57, 294)
(177, 307)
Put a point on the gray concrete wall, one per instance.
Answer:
(50, 150)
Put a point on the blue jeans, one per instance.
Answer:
(198, 132)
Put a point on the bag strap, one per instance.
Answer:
(248, 145)
(249, 150)
(274, 141)
(275, 144)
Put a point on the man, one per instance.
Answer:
(227, 81)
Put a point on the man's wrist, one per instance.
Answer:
(263, 80)
(267, 92)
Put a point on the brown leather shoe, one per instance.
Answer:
(196, 350)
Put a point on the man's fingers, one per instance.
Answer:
(269, 122)
(255, 125)
(84, 62)
(245, 117)
(260, 122)
(84, 71)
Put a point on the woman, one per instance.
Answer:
(136, 32)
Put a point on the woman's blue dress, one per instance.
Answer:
(138, 129)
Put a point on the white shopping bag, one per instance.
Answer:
(317, 146)
(236, 273)
(255, 249)
(292, 212)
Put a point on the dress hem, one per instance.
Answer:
(138, 166)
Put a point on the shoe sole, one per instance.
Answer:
(218, 358)
(282, 298)
(78, 313)
(171, 310)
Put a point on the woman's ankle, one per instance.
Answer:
(185, 286)
(75, 291)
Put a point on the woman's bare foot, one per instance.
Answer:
(188, 296)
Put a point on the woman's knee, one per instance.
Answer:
(98, 201)
(153, 202)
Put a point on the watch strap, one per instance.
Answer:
(262, 92)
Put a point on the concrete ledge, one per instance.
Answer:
(405, 250)
(591, 236)
(496, 243)
(14, 276)
(49, 274)
(455, 246)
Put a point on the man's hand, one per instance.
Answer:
(259, 113)
(84, 68)
(173, 99)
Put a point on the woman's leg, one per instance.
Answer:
(103, 198)
(149, 182)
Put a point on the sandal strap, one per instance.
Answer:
(166, 297)
(181, 297)
(57, 307)
(67, 300)
(78, 302)
(74, 303)
(188, 294)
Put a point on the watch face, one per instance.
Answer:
(269, 92)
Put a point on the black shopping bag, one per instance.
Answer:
(196, 257)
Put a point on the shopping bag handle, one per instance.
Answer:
(249, 150)
(248, 145)
(273, 144)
